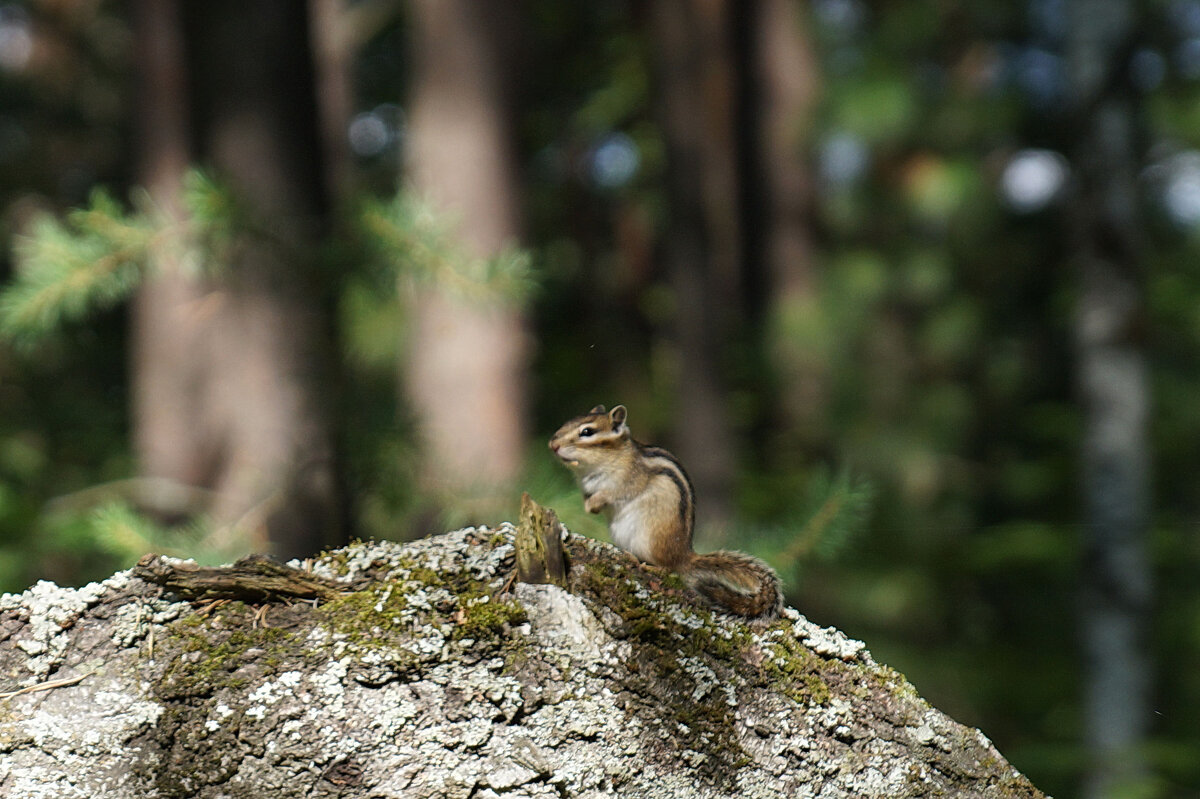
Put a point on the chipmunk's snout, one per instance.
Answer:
(556, 448)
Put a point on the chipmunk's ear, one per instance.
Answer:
(597, 409)
(617, 415)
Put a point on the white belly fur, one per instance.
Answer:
(624, 526)
(628, 532)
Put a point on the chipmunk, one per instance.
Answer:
(651, 509)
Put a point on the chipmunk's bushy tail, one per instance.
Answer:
(737, 583)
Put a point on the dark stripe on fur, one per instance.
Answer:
(679, 475)
(683, 497)
(659, 452)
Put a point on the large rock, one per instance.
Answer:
(442, 678)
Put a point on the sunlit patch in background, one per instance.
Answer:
(1173, 182)
(16, 38)
(1033, 179)
(376, 132)
(614, 161)
(842, 159)
(842, 16)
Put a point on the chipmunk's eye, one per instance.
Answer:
(587, 432)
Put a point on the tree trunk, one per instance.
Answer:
(231, 372)
(695, 70)
(467, 365)
(270, 390)
(333, 56)
(781, 88)
(432, 678)
(169, 361)
(1113, 386)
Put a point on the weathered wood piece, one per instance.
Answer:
(255, 578)
(540, 558)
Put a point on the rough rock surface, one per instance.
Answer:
(443, 679)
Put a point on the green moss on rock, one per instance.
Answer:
(796, 672)
(483, 617)
(212, 651)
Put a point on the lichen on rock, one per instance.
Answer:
(441, 677)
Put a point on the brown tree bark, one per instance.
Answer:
(333, 52)
(467, 367)
(784, 87)
(231, 371)
(697, 83)
(169, 329)
(270, 390)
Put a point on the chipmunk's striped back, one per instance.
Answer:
(664, 465)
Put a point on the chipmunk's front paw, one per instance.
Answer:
(595, 503)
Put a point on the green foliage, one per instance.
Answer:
(66, 270)
(419, 243)
(99, 255)
(214, 216)
(127, 534)
(840, 508)
(798, 521)
(109, 534)
(879, 107)
(409, 245)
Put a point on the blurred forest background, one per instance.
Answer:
(911, 287)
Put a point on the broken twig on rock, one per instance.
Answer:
(255, 578)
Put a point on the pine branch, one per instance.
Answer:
(98, 255)
(417, 242)
(66, 270)
(215, 217)
(840, 509)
